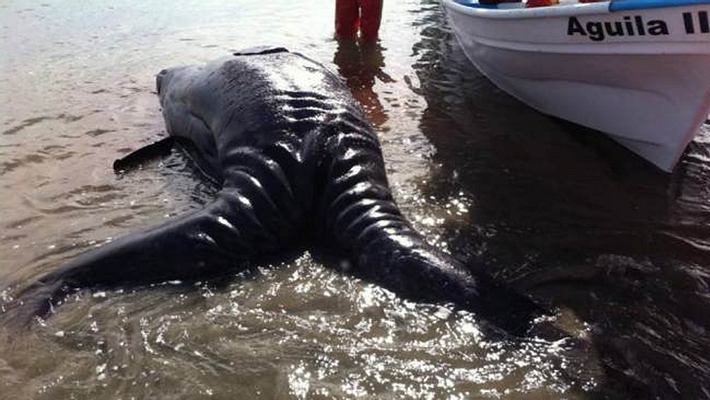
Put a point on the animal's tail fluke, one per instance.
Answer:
(212, 241)
(361, 217)
(406, 264)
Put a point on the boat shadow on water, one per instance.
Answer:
(577, 221)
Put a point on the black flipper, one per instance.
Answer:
(146, 153)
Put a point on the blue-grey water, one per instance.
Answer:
(619, 249)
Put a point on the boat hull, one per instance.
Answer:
(651, 93)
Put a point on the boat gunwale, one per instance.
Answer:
(563, 10)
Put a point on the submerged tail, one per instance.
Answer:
(387, 251)
(360, 216)
(406, 264)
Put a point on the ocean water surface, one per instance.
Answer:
(619, 249)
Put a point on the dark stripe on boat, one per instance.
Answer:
(703, 17)
(688, 20)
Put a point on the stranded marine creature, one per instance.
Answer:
(298, 165)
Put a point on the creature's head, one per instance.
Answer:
(176, 93)
(175, 86)
(161, 79)
(181, 82)
(174, 82)
(164, 79)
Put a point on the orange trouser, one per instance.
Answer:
(353, 14)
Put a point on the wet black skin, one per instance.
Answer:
(297, 163)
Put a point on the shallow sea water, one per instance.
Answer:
(618, 248)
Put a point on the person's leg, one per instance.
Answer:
(371, 15)
(347, 18)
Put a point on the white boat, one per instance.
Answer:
(638, 70)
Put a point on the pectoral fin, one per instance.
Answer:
(144, 154)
